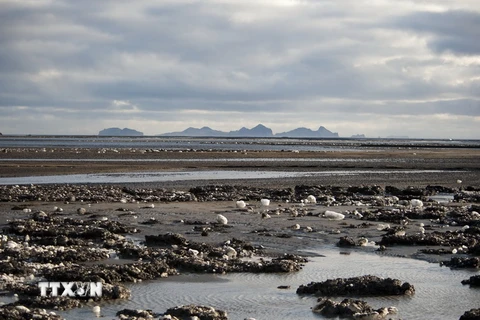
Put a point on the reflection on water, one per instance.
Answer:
(439, 292)
(442, 197)
(138, 177)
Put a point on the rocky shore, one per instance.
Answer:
(119, 234)
(67, 232)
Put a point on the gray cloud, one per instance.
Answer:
(454, 31)
(173, 64)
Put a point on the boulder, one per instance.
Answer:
(472, 314)
(202, 312)
(358, 286)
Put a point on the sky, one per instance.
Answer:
(374, 67)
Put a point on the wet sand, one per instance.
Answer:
(458, 164)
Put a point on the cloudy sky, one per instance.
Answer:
(377, 67)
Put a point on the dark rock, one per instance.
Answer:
(346, 242)
(166, 239)
(472, 314)
(407, 193)
(202, 312)
(365, 190)
(111, 274)
(18, 312)
(447, 239)
(474, 281)
(439, 189)
(358, 286)
(57, 303)
(230, 193)
(136, 314)
(463, 262)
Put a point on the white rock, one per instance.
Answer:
(241, 204)
(415, 203)
(332, 215)
(22, 309)
(231, 252)
(222, 219)
(265, 202)
(312, 199)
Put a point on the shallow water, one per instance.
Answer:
(439, 292)
(443, 197)
(138, 177)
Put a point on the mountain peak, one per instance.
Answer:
(260, 131)
(119, 132)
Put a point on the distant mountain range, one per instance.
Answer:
(258, 131)
(120, 132)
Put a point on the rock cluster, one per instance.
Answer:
(324, 195)
(463, 262)
(129, 314)
(201, 312)
(358, 286)
(350, 309)
(20, 312)
(49, 247)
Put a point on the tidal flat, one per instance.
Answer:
(161, 244)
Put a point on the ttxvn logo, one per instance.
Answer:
(70, 289)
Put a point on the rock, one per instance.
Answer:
(11, 312)
(221, 219)
(472, 314)
(166, 239)
(346, 242)
(358, 286)
(57, 303)
(202, 312)
(349, 308)
(463, 262)
(474, 281)
(135, 314)
(241, 204)
(332, 215)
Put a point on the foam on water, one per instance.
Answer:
(439, 292)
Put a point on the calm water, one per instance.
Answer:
(139, 177)
(439, 292)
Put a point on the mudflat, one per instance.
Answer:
(455, 164)
(417, 203)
